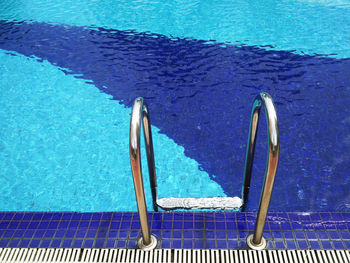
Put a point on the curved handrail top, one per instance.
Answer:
(272, 122)
(135, 125)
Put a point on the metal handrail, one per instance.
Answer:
(256, 240)
(140, 111)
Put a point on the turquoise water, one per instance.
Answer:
(64, 142)
(65, 146)
(311, 26)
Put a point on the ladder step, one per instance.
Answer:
(172, 203)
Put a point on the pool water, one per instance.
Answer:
(69, 73)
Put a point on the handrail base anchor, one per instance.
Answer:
(151, 246)
(252, 245)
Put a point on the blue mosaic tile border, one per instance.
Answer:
(174, 230)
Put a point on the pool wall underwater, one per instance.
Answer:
(69, 73)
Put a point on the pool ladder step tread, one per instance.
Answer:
(172, 203)
(70, 255)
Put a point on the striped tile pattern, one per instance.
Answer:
(15, 255)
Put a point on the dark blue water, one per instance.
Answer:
(200, 95)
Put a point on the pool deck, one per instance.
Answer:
(176, 230)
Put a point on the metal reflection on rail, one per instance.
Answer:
(257, 241)
(140, 112)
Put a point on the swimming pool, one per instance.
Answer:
(69, 73)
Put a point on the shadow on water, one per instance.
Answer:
(200, 95)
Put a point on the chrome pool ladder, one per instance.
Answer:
(140, 113)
